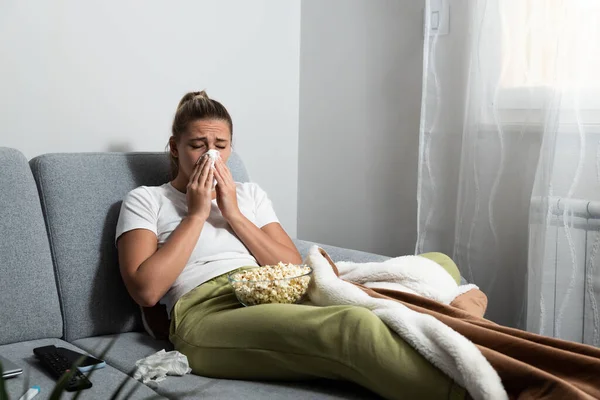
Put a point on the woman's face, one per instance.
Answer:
(201, 136)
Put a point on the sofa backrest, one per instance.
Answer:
(29, 304)
(81, 196)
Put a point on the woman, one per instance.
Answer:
(177, 243)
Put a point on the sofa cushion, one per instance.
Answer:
(105, 381)
(28, 295)
(133, 346)
(81, 196)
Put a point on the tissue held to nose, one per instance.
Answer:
(213, 155)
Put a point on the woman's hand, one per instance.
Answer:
(199, 190)
(226, 191)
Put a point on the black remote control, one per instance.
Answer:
(57, 365)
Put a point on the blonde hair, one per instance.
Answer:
(192, 107)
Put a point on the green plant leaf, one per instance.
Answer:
(26, 381)
(102, 357)
(74, 367)
(175, 396)
(60, 386)
(135, 387)
(122, 385)
(3, 394)
(158, 397)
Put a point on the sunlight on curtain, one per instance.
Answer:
(547, 42)
(509, 158)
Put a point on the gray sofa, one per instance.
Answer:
(60, 282)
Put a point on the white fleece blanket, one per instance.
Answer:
(445, 348)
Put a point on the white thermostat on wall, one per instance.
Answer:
(439, 17)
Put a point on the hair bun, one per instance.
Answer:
(190, 97)
(201, 95)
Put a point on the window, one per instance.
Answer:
(550, 59)
(551, 43)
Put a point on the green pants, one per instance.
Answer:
(223, 339)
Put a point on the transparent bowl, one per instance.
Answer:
(291, 290)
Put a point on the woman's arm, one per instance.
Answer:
(268, 245)
(149, 272)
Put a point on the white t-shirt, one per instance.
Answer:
(160, 209)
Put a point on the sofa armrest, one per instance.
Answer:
(339, 253)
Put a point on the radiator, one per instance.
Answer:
(564, 289)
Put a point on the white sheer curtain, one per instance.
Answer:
(509, 172)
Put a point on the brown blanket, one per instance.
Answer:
(531, 366)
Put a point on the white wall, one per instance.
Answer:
(100, 75)
(360, 95)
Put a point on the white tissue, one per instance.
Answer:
(156, 367)
(213, 155)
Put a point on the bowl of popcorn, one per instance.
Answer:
(281, 283)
